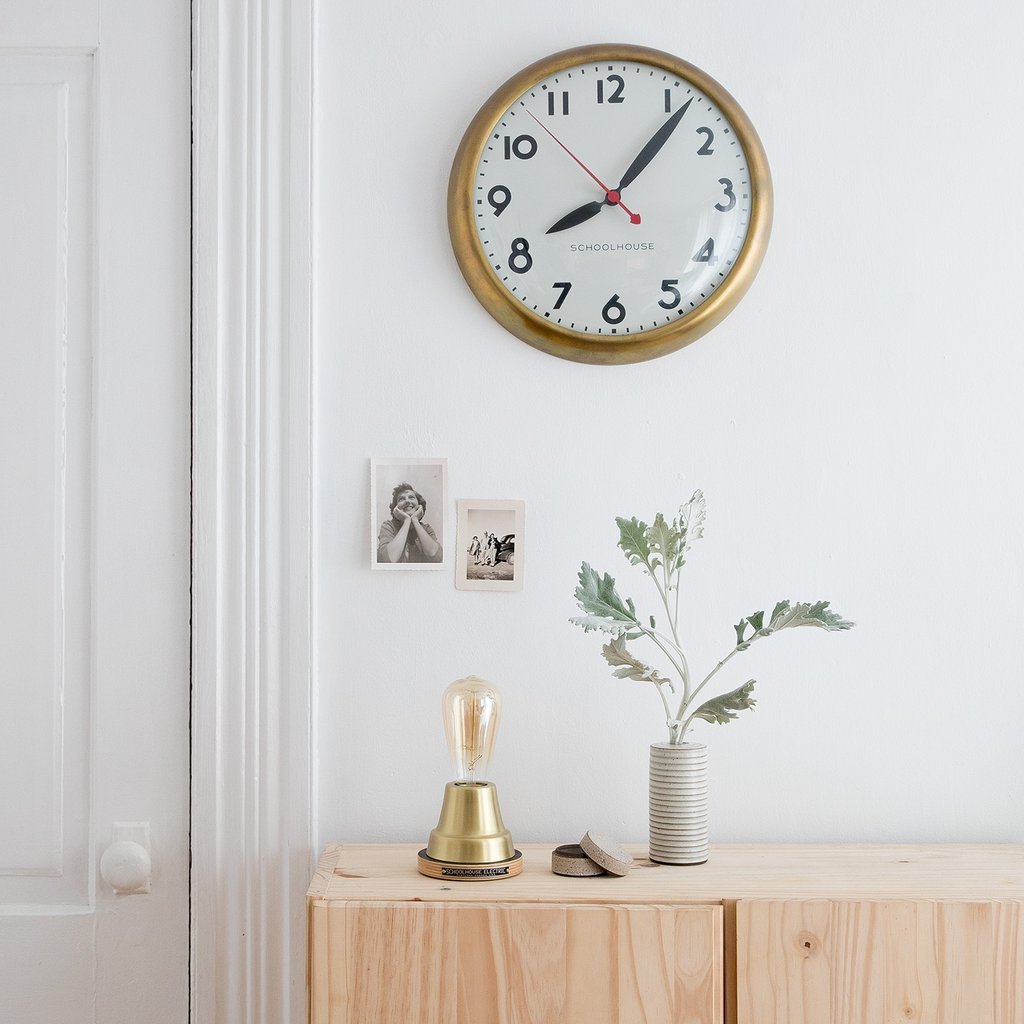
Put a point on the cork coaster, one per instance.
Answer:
(615, 859)
(570, 860)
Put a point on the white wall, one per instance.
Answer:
(855, 425)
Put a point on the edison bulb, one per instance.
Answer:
(471, 708)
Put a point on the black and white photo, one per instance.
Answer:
(490, 544)
(408, 501)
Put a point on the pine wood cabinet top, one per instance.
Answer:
(983, 872)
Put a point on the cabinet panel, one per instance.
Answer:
(880, 962)
(443, 963)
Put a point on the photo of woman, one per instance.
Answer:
(407, 517)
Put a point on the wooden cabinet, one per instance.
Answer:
(758, 935)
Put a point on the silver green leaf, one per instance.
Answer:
(722, 710)
(691, 518)
(603, 607)
(633, 540)
(786, 616)
(629, 667)
(665, 542)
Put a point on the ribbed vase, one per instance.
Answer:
(679, 803)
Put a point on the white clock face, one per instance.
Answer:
(612, 198)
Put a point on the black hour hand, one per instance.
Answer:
(578, 216)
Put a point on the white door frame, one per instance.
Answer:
(253, 659)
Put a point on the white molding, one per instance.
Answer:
(252, 672)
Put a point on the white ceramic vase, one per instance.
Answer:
(679, 803)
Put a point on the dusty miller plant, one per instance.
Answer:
(660, 549)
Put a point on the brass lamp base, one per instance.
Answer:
(470, 836)
(469, 872)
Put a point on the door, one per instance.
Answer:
(94, 506)
(818, 961)
(396, 962)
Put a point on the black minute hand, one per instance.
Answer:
(578, 216)
(648, 153)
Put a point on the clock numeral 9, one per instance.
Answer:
(616, 95)
(706, 149)
(522, 146)
(614, 312)
(499, 197)
(669, 287)
(729, 194)
(519, 259)
(565, 286)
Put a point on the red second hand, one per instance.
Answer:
(611, 195)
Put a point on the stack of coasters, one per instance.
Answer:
(594, 855)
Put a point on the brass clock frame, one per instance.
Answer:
(551, 337)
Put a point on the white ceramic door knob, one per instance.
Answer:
(126, 865)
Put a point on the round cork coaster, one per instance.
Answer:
(570, 860)
(615, 859)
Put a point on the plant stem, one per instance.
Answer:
(707, 678)
(682, 667)
(673, 730)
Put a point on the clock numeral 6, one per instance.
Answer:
(616, 94)
(519, 259)
(669, 287)
(729, 194)
(522, 146)
(614, 312)
(565, 286)
(499, 197)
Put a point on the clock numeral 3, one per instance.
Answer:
(669, 287)
(519, 259)
(499, 197)
(615, 96)
(706, 149)
(552, 104)
(707, 253)
(614, 312)
(522, 146)
(565, 286)
(729, 194)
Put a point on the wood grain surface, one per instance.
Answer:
(950, 871)
(765, 934)
(433, 963)
(880, 962)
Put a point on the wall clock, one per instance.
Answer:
(610, 204)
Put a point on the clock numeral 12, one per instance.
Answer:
(616, 95)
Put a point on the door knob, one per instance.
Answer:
(126, 865)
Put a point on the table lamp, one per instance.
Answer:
(470, 842)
